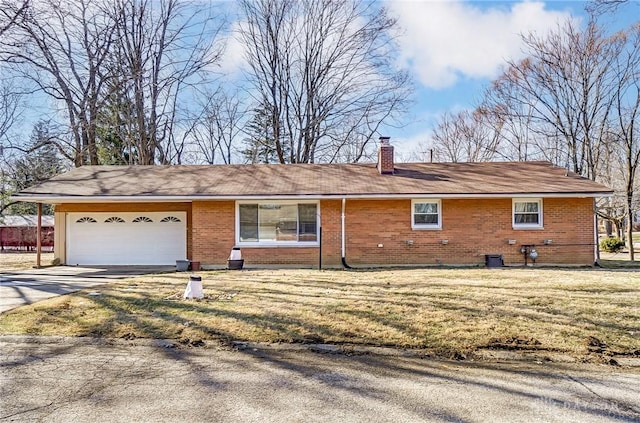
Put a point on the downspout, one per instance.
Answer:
(343, 247)
(319, 242)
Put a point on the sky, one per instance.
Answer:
(453, 49)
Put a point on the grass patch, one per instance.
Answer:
(439, 310)
(10, 261)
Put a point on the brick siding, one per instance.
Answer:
(472, 227)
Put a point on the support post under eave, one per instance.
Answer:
(39, 236)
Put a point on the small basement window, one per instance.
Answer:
(527, 213)
(426, 214)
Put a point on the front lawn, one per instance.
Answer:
(441, 311)
(11, 261)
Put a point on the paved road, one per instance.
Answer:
(66, 379)
(28, 286)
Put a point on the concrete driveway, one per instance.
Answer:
(22, 287)
(84, 380)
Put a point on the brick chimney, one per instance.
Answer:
(385, 157)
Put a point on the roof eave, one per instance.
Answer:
(60, 199)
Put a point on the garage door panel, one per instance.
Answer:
(126, 238)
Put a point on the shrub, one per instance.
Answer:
(612, 244)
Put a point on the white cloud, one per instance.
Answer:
(233, 60)
(445, 40)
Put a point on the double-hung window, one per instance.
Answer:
(277, 222)
(527, 213)
(426, 214)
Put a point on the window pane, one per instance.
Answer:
(526, 213)
(278, 222)
(248, 222)
(274, 222)
(307, 217)
(526, 207)
(426, 208)
(526, 218)
(425, 219)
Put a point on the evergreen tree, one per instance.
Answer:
(260, 143)
(39, 163)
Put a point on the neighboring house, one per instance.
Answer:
(19, 233)
(370, 215)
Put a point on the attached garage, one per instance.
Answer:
(126, 238)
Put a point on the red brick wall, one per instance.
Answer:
(214, 236)
(473, 228)
(213, 231)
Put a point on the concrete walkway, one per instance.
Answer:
(84, 380)
(22, 287)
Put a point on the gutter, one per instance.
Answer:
(190, 198)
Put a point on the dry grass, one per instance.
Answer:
(10, 261)
(438, 310)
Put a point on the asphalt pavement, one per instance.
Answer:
(22, 287)
(85, 380)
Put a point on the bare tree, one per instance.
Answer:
(11, 12)
(467, 136)
(564, 85)
(10, 98)
(578, 96)
(217, 128)
(324, 72)
(163, 50)
(625, 126)
(10, 110)
(61, 48)
(513, 121)
(599, 7)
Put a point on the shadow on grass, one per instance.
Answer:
(151, 316)
(320, 309)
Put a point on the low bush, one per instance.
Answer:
(612, 244)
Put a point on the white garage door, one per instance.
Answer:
(126, 238)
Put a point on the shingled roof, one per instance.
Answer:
(166, 183)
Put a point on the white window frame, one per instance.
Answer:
(277, 243)
(428, 226)
(539, 225)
